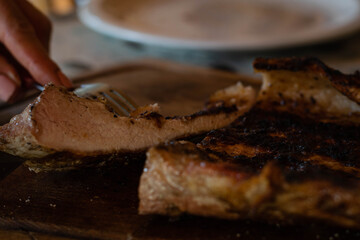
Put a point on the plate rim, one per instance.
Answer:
(94, 22)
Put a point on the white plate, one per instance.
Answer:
(223, 24)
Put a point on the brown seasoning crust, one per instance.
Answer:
(347, 84)
(299, 169)
(303, 147)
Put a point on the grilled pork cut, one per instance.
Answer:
(307, 87)
(60, 130)
(288, 159)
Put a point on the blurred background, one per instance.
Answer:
(224, 35)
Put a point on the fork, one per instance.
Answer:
(117, 101)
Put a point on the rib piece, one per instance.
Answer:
(306, 86)
(294, 156)
(266, 165)
(68, 131)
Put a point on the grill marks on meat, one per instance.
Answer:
(295, 155)
(283, 133)
(285, 177)
(300, 145)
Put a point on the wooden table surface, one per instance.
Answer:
(101, 203)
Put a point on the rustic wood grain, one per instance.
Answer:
(23, 235)
(42, 236)
(14, 235)
(102, 203)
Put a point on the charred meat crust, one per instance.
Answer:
(212, 110)
(283, 183)
(303, 146)
(294, 64)
(347, 84)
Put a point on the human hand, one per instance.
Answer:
(24, 49)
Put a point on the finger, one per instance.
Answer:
(8, 88)
(9, 71)
(39, 21)
(20, 39)
(23, 75)
(27, 82)
(9, 80)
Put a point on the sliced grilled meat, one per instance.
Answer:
(60, 130)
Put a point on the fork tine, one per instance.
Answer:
(124, 99)
(119, 102)
(117, 107)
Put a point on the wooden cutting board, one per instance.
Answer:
(101, 203)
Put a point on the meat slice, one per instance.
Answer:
(269, 166)
(294, 156)
(306, 86)
(60, 130)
